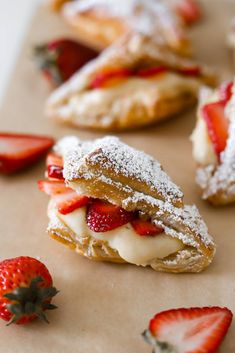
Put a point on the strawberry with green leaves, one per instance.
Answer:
(26, 290)
(59, 59)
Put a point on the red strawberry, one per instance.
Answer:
(70, 201)
(217, 125)
(66, 199)
(101, 79)
(189, 10)
(26, 290)
(103, 216)
(53, 187)
(146, 227)
(54, 159)
(61, 58)
(55, 172)
(152, 71)
(18, 151)
(190, 71)
(225, 91)
(54, 166)
(194, 330)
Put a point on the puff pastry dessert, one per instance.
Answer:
(102, 22)
(214, 144)
(188, 10)
(110, 202)
(134, 83)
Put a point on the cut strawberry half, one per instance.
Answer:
(152, 71)
(190, 71)
(70, 201)
(102, 78)
(18, 151)
(55, 172)
(53, 187)
(194, 330)
(65, 198)
(189, 11)
(145, 228)
(54, 159)
(54, 166)
(103, 216)
(225, 91)
(217, 125)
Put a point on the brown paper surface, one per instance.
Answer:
(104, 307)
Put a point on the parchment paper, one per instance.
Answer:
(104, 307)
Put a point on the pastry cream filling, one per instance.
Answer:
(165, 84)
(203, 150)
(133, 248)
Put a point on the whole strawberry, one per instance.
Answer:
(61, 58)
(26, 290)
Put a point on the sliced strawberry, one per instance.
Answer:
(225, 91)
(102, 78)
(54, 159)
(152, 71)
(65, 198)
(188, 10)
(70, 201)
(217, 125)
(54, 166)
(103, 216)
(190, 71)
(194, 330)
(146, 227)
(53, 187)
(55, 172)
(18, 151)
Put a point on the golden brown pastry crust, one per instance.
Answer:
(56, 5)
(101, 23)
(217, 181)
(104, 170)
(134, 103)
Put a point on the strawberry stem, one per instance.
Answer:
(158, 346)
(30, 301)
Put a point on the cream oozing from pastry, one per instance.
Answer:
(203, 150)
(133, 248)
(165, 85)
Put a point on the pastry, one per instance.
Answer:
(119, 205)
(214, 144)
(134, 83)
(102, 22)
(188, 10)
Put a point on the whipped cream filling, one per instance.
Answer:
(203, 150)
(164, 83)
(133, 248)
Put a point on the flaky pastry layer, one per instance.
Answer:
(108, 169)
(136, 101)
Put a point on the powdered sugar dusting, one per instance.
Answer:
(109, 152)
(145, 16)
(123, 160)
